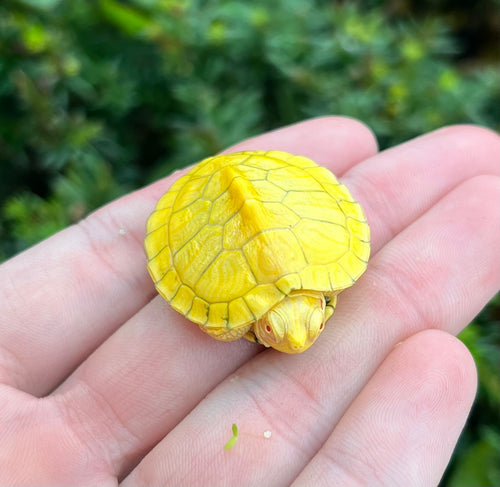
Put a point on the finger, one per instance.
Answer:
(403, 426)
(334, 142)
(429, 276)
(66, 295)
(398, 185)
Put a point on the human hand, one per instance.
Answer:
(102, 382)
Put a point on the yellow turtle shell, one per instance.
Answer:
(240, 232)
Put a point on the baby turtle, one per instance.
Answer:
(257, 244)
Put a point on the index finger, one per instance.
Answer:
(67, 294)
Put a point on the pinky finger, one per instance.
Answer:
(403, 426)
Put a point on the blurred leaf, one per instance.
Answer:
(479, 465)
(129, 20)
(41, 4)
(35, 38)
(87, 185)
(32, 219)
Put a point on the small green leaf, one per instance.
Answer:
(232, 441)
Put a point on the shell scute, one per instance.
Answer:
(317, 205)
(323, 176)
(252, 173)
(302, 162)
(157, 219)
(195, 250)
(227, 278)
(321, 242)
(184, 224)
(351, 208)
(316, 277)
(360, 249)
(264, 160)
(169, 284)
(239, 313)
(217, 316)
(190, 193)
(263, 297)
(291, 178)
(255, 217)
(358, 229)
(274, 253)
(183, 299)
(289, 283)
(352, 264)
(339, 278)
(159, 264)
(268, 191)
(199, 311)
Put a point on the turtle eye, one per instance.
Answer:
(268, 329)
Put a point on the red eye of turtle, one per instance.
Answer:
(322, 325)
(268, 329)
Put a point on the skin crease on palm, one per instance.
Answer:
(102, 383)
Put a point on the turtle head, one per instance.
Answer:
(294, 323)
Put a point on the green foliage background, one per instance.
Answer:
(98, 98)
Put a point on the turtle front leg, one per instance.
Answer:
(251, 337)
(224, 333)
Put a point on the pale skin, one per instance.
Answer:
(104, 384)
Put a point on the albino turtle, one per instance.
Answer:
(257, 244)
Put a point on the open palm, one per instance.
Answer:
(102, 383)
